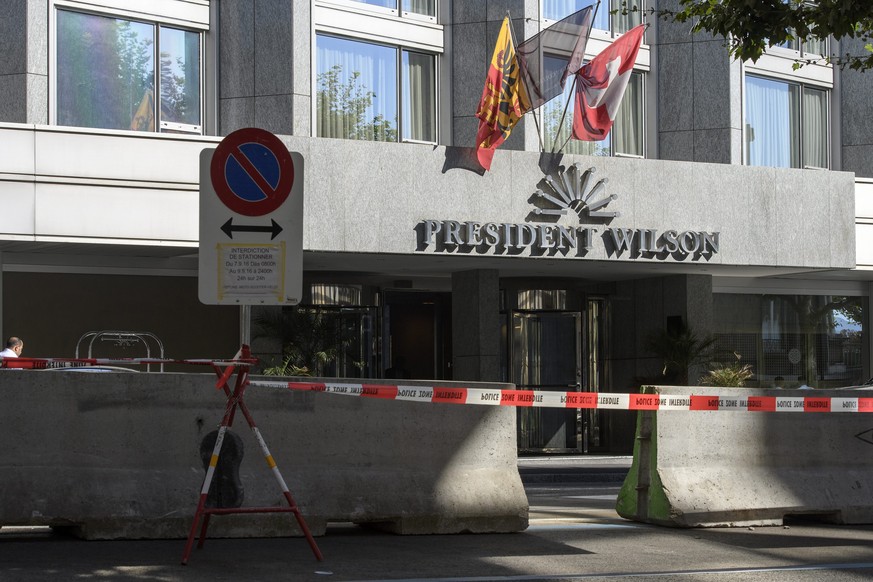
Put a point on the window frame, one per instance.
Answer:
(609, 34)
(360, 5)
(643, 109)
(796, 140)
(399, 52)
(355, 21)
(186, 19)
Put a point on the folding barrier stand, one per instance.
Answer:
(235, 401)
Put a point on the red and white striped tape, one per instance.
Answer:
(56, 363)
(606, 401)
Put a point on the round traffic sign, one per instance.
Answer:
(252, 172)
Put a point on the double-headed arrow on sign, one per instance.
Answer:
(229, 228)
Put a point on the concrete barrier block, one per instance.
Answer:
(116, 455)
(734, 468)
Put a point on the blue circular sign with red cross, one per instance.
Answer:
(252, 172)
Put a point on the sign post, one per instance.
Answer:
(251, 253)
(251, 221)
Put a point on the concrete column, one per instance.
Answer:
(257, 75)
(476, 325)
(854, 129)
(699, 95)
(866, 344)
(24, 66)
(474, 30)
(1, 294)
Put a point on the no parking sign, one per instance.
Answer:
(251, 221)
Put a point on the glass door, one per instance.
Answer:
(545, 351)
(594, 421)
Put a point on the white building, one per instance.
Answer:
(741, 197)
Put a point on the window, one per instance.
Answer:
(426, 8)
(625, 138)
(786, 124)
(107, 78)
(792, 340)
(374, 92)
(617, 23)
(811, 48)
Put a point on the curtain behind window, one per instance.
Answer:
(815, 138)
(627, 130)
(419, 93)
(770, 106)
(624, 22)
(426, 7)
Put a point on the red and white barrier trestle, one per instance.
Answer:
(235, 401)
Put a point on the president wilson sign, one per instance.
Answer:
(575, 191)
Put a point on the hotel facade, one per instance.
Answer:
(731, 199)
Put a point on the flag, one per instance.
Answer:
(548, 58)
(600, 85)
(504, 99)
(144, 117)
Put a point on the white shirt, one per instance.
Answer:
(8, 353)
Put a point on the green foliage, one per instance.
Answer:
(679, 350)
(751, 26)
(344, 106)
(286, 368)
(308, 338)
(733, 374)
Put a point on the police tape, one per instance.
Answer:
(62, 363)
(605, 401)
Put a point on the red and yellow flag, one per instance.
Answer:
(504, 99)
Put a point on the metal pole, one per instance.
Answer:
(245, 324)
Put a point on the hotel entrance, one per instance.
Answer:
(563, 351)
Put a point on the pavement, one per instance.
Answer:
(575, 534)
(574, 469)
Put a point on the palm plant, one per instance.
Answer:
(679, 349)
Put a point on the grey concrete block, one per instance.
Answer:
(675, 88)
(466, 12)
(13, 38)
(519, 10)
(676, 145)
(273, 62)
(459, 472)
(469, 66)
(800, 243)
(236, 54)
(275, 113)
(856, 110)
(13, 98)
(464, 131)
(712, 86)
(37, 99)
(858, 159)
(37, 37)
(301, 109)
(700, 476)
(301, 48)
(715, 145)
(235, 114)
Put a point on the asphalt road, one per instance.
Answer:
(575, 535)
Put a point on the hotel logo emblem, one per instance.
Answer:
(576, 190)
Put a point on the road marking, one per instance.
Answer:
(573, 526)
(592, 576)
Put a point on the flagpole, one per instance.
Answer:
(572, 95)
(515, 49)
(564, 114)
